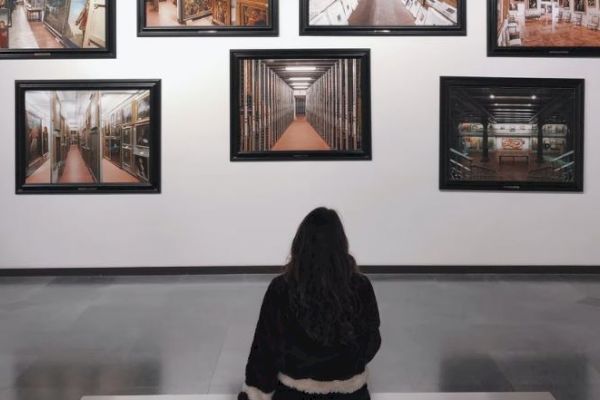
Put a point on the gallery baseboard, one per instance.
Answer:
(273, 269)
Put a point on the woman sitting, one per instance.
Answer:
(319, 322)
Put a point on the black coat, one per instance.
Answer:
(283, 355)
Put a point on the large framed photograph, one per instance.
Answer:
(43, 29)
(383, 17)
(88, 136)
(511, 134)
(300, 105)
(208, 18)
(544, 28)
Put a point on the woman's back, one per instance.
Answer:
(319, 322)
(307, 357)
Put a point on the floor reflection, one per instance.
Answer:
(56, 379)
(564, 376)
(474, 373)
(64, 338)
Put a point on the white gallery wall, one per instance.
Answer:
(213, 212)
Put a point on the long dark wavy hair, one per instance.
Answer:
(319, 276)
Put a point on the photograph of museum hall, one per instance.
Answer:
(300, 105)
(382, 12)
(556, 23)
(85, 137)
(512, 134)
(52, 24)
(167, 13)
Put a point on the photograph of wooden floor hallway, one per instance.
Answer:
(297, 105)
(300, 135)
(28, 34)
(87, 137)
(315, 104)
(381, 12)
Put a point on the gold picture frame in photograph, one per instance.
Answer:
(222, 12)
(252, 12)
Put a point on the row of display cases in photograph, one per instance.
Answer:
(129, 149)
(514, 137)
(112, 126)
(126, 136)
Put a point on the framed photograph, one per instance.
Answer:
(69, 138)
(544, 28)
(300, 105)
(383, 18)
(208, 18)
(58, 29)
(511, 134)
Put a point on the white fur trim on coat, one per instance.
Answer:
(255, 393)
(312, 386)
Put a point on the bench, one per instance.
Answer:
(376, 396)
(513, 155)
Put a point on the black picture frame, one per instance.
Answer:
(357, 63)
(71, 51)
(149, 184)
(494, 34)
(208, 31)
(554, 163)
(459, 29)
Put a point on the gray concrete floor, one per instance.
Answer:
(62, 338)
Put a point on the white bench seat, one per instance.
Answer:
(376, 396)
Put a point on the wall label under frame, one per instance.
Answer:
(511, 134)
(208, 18)
(42, 29)
(300, 104)
(88, 136)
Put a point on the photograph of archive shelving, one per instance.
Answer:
(300, 104)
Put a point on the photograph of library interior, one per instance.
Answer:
(169, 13)
(382, 12)
(52, 24)
(300, 105)
(85, 137)
(551, 23)
(512, 134)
